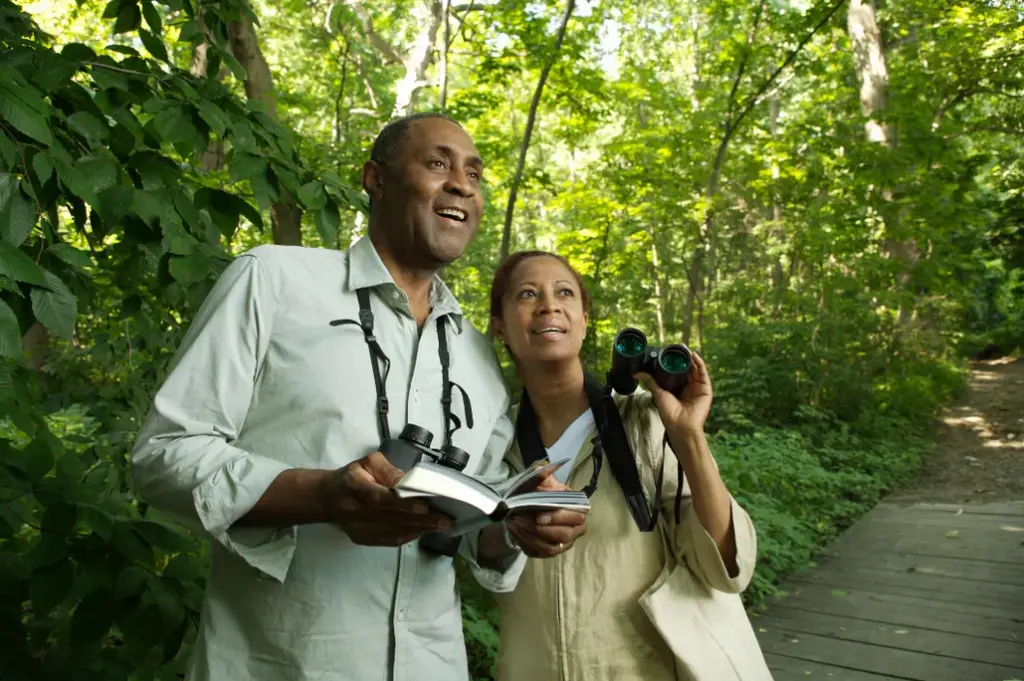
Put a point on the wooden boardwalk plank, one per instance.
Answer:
(945, 566)
(792, 669)
(957, 645)
(914, 593)
(884, 660)
(901, 610)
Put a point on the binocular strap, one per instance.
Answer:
(380, 382)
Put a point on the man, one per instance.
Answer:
(265, 436)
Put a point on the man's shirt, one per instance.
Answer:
(263, 383)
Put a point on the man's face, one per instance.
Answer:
(428, 199)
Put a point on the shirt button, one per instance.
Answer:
(396, 295)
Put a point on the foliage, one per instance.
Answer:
(840, 285)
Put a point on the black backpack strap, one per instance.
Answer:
(620, 455)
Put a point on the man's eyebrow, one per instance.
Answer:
(450, 152)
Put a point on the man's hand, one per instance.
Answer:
(547, 533)
(359, 499)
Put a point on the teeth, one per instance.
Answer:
(453, 213)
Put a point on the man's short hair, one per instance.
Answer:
(388, 144)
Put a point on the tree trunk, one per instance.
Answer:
(418, 59)
(285, 215)
(658, 307)
(444, 53)
(213, 157)
(506, 235)
(873, 73)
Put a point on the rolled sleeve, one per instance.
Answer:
(185, 460)
(492, 470)
(690, 540)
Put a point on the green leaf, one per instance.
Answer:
(246, 166)
(42, 166)
(55, 306)
(130, 582)
(114, 203)
(35, 460)
(112, 9)
(175, 125)
(152, 17)
(50, 549)
(126, 542)
(163, 537)
(312, 195)
(7, 393)
(328, 221)
(71, 255)
(47, 588)
(183, 568)
(88, 126)
(129, 17)
(60, 519)
(214, 117)
(92, 619)
(98, 520)
(190, 268)
(22, 116)
(14, 263)
(10, 333)
(143, 629)
(153, 44)
(99, 172)
(18, 217)
(79, 52)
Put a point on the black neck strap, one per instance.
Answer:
(611, 436)
(377, 356)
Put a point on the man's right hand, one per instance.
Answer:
(359, 499)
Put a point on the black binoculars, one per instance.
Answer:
(670, 365)
(406, 451)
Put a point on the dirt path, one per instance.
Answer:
(980, 456)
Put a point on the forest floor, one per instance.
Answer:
(979, 456)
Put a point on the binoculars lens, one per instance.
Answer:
(675, 360)
(630, 344)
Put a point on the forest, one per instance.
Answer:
(824, 197)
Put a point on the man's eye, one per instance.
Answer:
(436, 163)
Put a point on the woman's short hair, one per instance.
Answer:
(503, 276)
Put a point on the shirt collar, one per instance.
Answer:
(366, 270)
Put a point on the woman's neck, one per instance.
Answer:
(558, 397)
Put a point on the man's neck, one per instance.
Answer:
(414, 282)
(558, 397)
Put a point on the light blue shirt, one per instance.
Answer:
(262, 383)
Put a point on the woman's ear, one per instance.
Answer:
(498, 329)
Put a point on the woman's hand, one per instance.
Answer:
(548, 533)
(687, 412)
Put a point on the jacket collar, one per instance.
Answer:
(367, 270)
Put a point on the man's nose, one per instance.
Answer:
(458, 183)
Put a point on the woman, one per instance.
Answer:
(620, 603)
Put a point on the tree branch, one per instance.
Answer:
(389, 53)
(518, 178)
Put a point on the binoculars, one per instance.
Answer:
(406, 451)
(413, 443)
(670, 365)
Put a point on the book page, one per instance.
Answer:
(530, 502)
(432, 480)
(528, 480)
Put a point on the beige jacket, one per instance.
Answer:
(629, 605)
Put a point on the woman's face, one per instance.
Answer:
(542, 316)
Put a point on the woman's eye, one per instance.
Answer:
(568, 292)
(525, 293)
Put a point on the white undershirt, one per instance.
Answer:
(570, 443)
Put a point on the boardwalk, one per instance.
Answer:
(922, 592)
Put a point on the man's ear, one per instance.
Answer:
(373, 180)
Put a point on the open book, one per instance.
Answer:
(472, 503)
